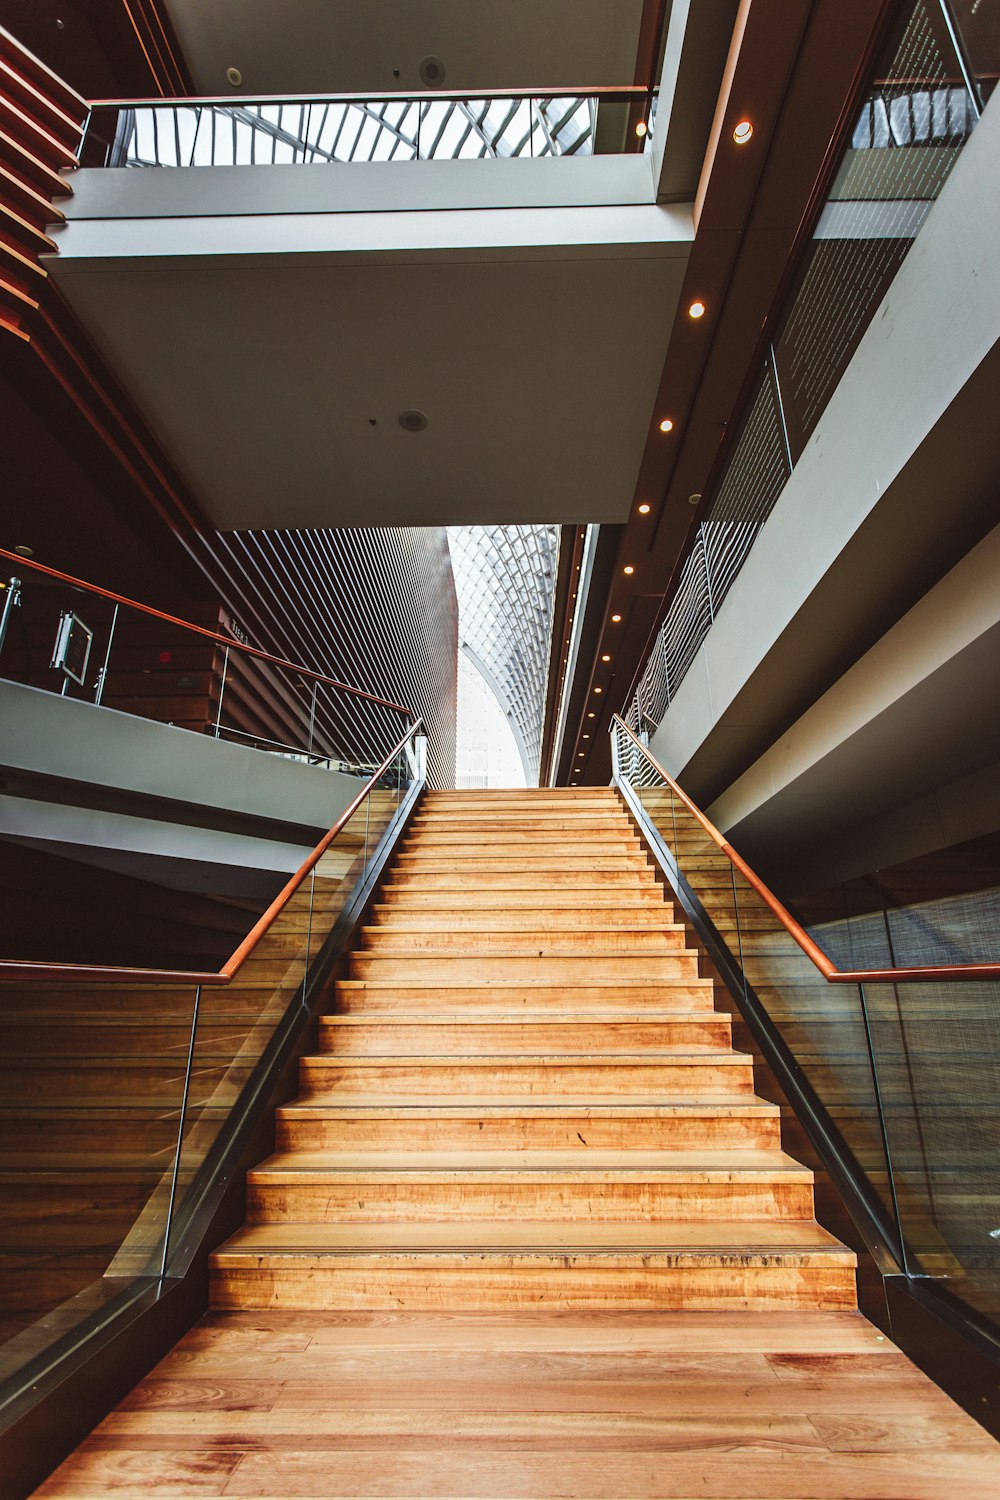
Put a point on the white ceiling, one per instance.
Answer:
(275, 382)
(341, 46)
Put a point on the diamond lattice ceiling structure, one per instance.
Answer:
(505, 581)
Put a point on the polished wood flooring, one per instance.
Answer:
(531, 1404)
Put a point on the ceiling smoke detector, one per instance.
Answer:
(432, 71)
(412, 421)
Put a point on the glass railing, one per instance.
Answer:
(289, 132)
(65, 636)
(123, 1089)
(897, 1070)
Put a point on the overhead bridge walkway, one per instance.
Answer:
(529, 1226)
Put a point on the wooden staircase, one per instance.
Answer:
(526, 1097)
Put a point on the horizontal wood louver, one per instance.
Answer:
(41, 119)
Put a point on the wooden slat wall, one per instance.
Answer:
(40, 124)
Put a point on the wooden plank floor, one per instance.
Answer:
(533, 1404)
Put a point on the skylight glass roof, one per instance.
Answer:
(505, 581)
(203, 135)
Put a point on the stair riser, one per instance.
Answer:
(523, 877)
(489, 861)
(583, 1132)
(531, 1038)
(396, 1283)
(438, 999)
(526, 825)
(468, 1078)
(404, 940)
(500, 969)
(526, 919)
(614, 1202)
(528, 843)
(573, 901)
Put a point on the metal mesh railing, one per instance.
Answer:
(910, 130)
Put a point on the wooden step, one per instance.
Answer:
(500, 1034)
(531, 942)
(380, 1187)
(482, 860)
(521, 840)
(359, 996)
(738, 1124)
(491, 1266)
(524, 918)
(526, 878)
(572, 899)
(579, 967)
(577, 1075)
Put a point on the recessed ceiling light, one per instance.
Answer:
(23, 551)
(591, 716)
(628, 571)
(616, 619)
(743, 132)
(694, 499)
(585, 736)
(580, 755)
(696, 310)
(598, 690)
(666, 425)
(644, 509)
(641, 128)
(234, 76)
(412, 421)
(605, 657)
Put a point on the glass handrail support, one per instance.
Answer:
(127, 1091)
(893, 1074)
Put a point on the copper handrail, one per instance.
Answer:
(96, 974)
(211, 635)
(795, 930)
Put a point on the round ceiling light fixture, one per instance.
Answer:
(696, 310)
(628, 570)
(743, 132)
(234, 76)
(412, 421)
(641, 129)
(644, 508)
(24, 551)
(432, 71)
(666, 425)
(694, 499)
(616, 619)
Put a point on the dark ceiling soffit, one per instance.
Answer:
(652, 35)
(571, 540)
(606, 552)
(156, 37)
(800, 84)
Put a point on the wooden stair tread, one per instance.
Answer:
(794, 1239)
(695, 1165)
(533, 1107)
(521, 1018)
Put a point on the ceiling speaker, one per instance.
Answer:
(432, 72)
